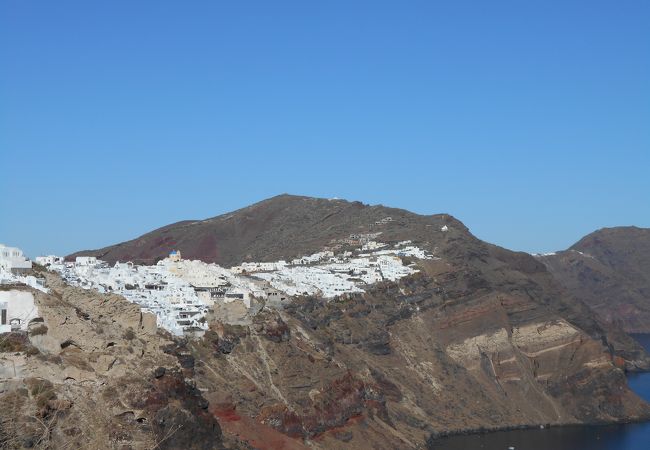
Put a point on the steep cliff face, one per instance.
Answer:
(467, 344)
(610, 271)
(389, 368)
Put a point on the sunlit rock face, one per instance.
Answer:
(88, 370)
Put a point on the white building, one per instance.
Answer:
(13, 260)
(175, 256)
(250, 267)
(17, 309)
(373, 245)
(85, 260)
(49, 260)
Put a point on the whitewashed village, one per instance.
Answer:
(182, 293)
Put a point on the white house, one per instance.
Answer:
(85, 261)
(17, 309)
(49, 260)
(12, 259)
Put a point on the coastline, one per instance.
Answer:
(489, 430)
(437, 439)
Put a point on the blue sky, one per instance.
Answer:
(528, 121)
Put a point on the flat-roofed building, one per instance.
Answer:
(13, 260)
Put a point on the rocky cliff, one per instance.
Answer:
(433, 355)
(609, 270)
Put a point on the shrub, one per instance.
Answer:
(129, 334)
(39, 330)
(32, 351)
(14, 342)
(44, 397)
(37, 386)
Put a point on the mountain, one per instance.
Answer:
(480, 338)
(285, 226)
(609, 270)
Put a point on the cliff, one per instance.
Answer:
(609, 270)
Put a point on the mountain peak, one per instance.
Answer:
(612, 236)
(280, 227)
(609, 270)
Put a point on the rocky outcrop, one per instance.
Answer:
(88, 376)
(179, 412)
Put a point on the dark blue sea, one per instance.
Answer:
(609, 437)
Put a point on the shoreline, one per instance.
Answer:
(489, 430)
(437, 436)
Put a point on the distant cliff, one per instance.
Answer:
(610, 271)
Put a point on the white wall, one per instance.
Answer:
(85, 260)
(50, 259)
(12, 258)
(20, 305)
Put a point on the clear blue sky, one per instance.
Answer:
(527, 120)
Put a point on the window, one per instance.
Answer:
(4, 317)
